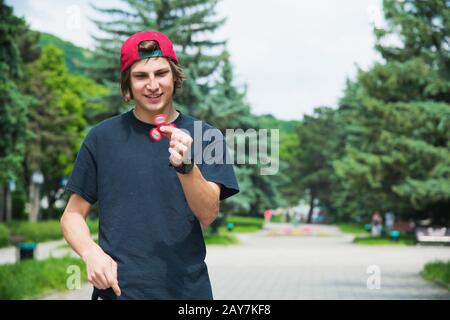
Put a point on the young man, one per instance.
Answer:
(152, 202)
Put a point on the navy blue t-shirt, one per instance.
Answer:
(145, 223)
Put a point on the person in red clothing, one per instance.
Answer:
(267, 215)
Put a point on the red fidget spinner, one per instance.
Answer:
(160, 120)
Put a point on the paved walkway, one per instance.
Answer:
(321, 265)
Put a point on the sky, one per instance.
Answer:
(293, 55)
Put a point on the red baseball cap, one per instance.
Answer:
(129, 52)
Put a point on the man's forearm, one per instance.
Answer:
(201, 195)
(76, 232)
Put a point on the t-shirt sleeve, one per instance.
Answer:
(214, 166)
(83, 179)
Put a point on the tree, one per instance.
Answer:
(398, 152)
(13, 105)
(57, 121)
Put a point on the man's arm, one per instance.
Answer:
(201, 195)
(101, 268)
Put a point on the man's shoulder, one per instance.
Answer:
(106, 125)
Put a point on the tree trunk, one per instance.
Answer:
(8, 205)
(311, 205)
(34, 202)
(2, 202)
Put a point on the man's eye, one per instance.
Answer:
(161, 73)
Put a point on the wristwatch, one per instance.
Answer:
(184, 168)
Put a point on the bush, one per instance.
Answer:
(4, 235)
(438, 271)
(38, 232)
(32, 278)
(44, 230)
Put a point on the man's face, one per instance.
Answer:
(152, 84)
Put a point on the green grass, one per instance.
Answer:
(242, 225)
(352, 228)
(241, 229)
(4, 235)
(437, 271)
(221, 238)
(240, 221)
(32, 279)
(405, 239)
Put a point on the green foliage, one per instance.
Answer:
(41, 231)
(31, 279)
(37, 232)
(13, 105)
(58, 118)
(438, 271)
(74, 57)
(4, 235)
(387, 146)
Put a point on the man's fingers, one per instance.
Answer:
(115, 285)
(112, 283)
(175, 156)
(180, 148)
(100, 281)
(116, 289)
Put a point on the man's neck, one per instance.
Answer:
(147, 117)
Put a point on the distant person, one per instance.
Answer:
(389, 220)
(377, 224)
(267, 215)
(287, 217)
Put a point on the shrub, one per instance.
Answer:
(4, 235)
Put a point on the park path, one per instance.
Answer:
(271, 264)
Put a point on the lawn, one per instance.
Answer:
(404, 239)
(356, 229)
(41, 231)
(240, 225)
(32, 279)
(437, 271)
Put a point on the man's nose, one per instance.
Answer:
(152, 84)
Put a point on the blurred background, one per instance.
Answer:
(358, 89)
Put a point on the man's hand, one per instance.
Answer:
(101, 269)
(180, 145)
